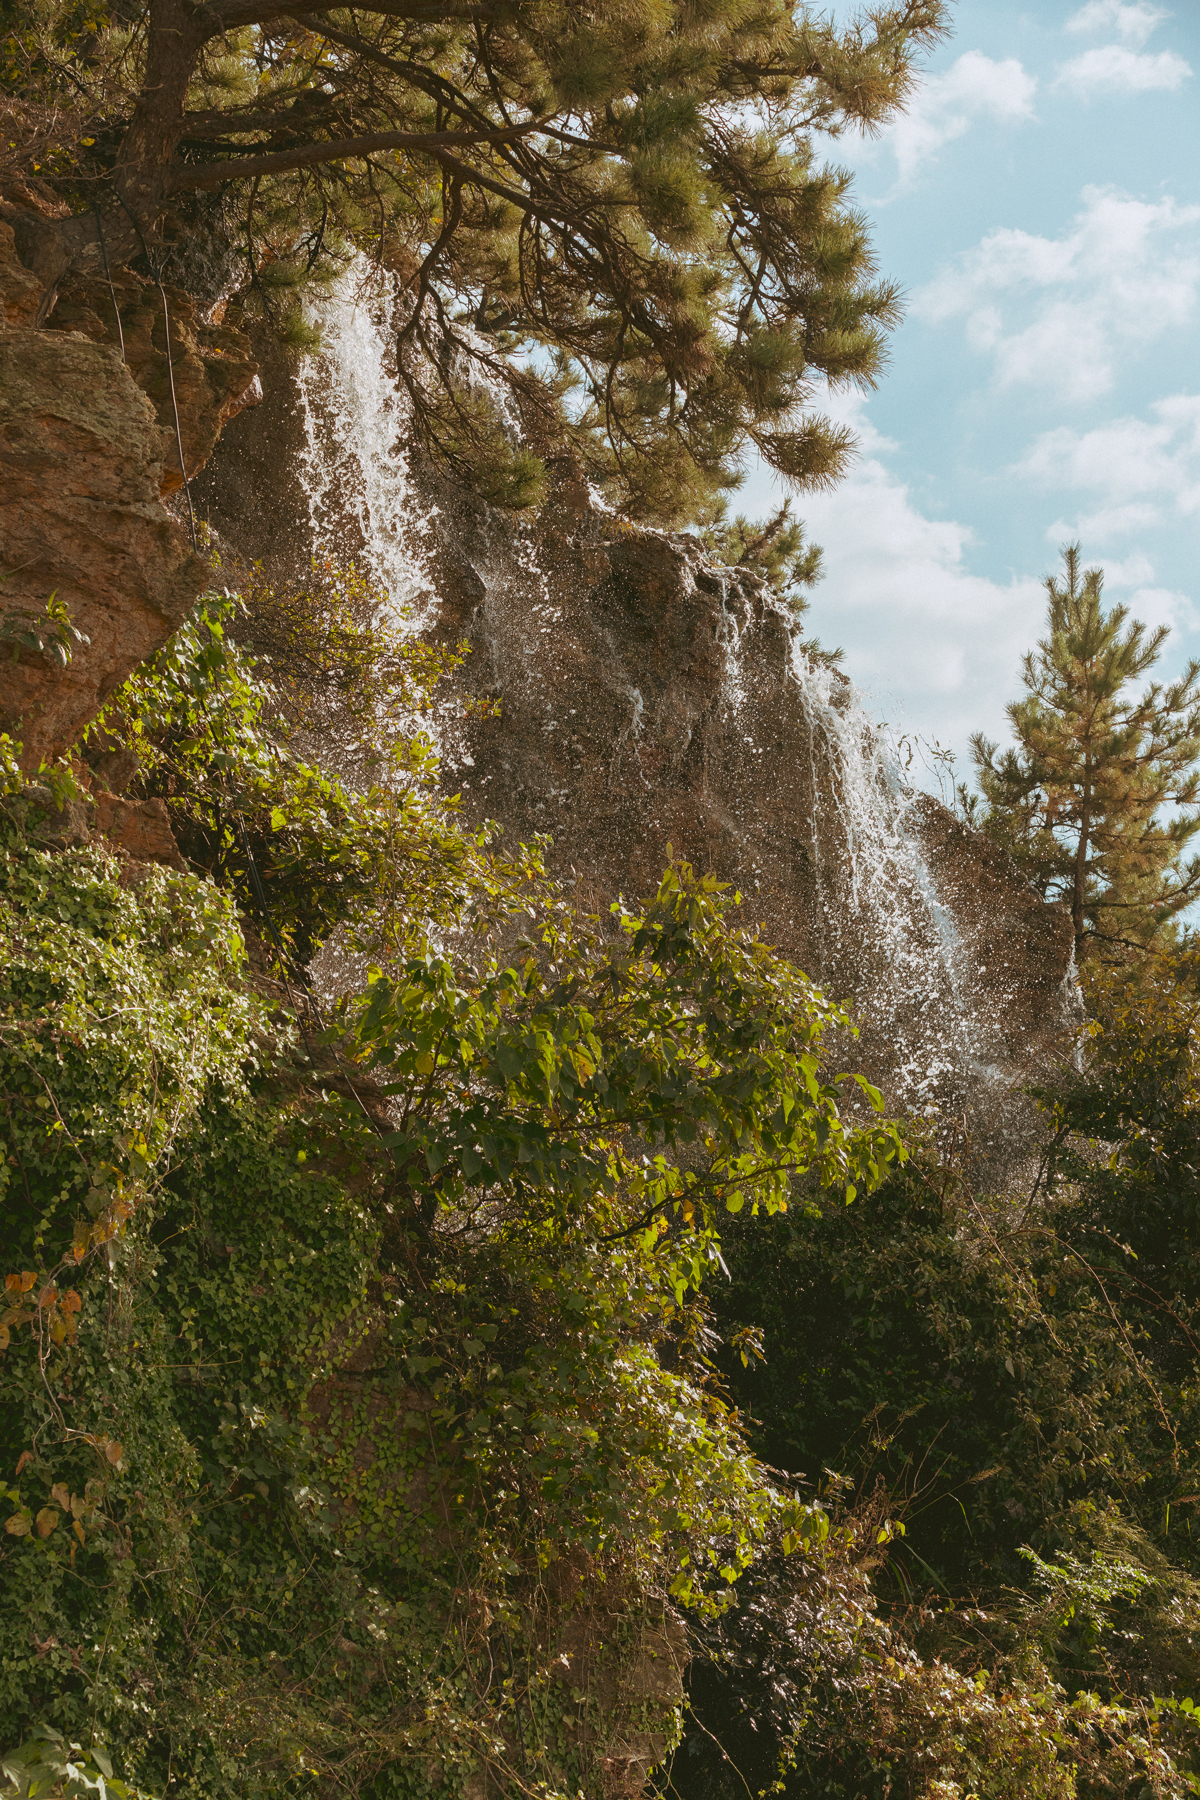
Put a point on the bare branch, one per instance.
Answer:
(196, 178)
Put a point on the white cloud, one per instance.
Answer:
(1122, 67)
(936, 647)
(1156, 606)
(1132, 474)
(1132, 22)
(1060, 313)
(945, 107)
(1115, 69)
(1134, 571)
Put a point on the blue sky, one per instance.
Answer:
(1040, 204)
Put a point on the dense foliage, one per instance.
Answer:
(397, 1391)
(1008, 1387)
(300, 849)
(371, 1387)
(360, 1428)
(630, 196)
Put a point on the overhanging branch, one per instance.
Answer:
(229, 15)
(196, 178)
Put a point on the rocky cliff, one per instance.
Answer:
(647, 700)
(88, 449)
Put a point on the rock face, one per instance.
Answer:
(138, 830)
(651, 701)
(213, 372)
(90, 436)
(20, 289)
(81, 521)
(141, 828)
(210, 366)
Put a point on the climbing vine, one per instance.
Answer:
(364, 1428)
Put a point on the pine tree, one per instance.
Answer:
(774, 548)
(628, 193)
(1095, 801)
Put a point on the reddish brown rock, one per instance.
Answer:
(214, 374)
(142, 828)
(82, 521)
(20, 290)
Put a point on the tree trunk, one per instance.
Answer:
(1079, 890)
(52, 248)
(142, 176)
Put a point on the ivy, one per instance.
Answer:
(344, 1365)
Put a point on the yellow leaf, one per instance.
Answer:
(79, 1532)
(113, 1451)
(18, 1525)
(47, 1519)
(61, 1495)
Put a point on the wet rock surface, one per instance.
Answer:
(652, 703)
(649, 702)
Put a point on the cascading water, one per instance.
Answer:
(355, 468)
(880, 933)
(881, 923)
(777, 779)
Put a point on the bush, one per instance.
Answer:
(352, 1379)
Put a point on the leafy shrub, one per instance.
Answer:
(341, 1373)
(303, 853)
(967, 1369)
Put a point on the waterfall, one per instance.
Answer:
(780, 775)
(884, 932)
(880, 934)
(355, 468)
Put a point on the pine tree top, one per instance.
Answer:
(1096, 798)
(617, 214)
